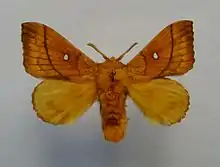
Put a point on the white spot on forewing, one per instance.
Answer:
(155, 56)
(66, 57)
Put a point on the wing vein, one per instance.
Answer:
(171, 52)
(47, 53)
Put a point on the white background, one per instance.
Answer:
(113, 26)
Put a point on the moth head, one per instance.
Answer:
(112, 58)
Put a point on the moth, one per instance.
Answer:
(72, 81)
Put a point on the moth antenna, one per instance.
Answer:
(122, 55)
(97, 50)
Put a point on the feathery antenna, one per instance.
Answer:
(123, 54)
(97, 50)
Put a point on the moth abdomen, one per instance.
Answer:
(113, 113)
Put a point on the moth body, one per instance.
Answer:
(112, 96)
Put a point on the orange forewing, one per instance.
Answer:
(173, 47)
(45, 51)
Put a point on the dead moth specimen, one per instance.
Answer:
(72, 81)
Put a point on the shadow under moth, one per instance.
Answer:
(72, 82)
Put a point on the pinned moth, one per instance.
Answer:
(73, 82)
